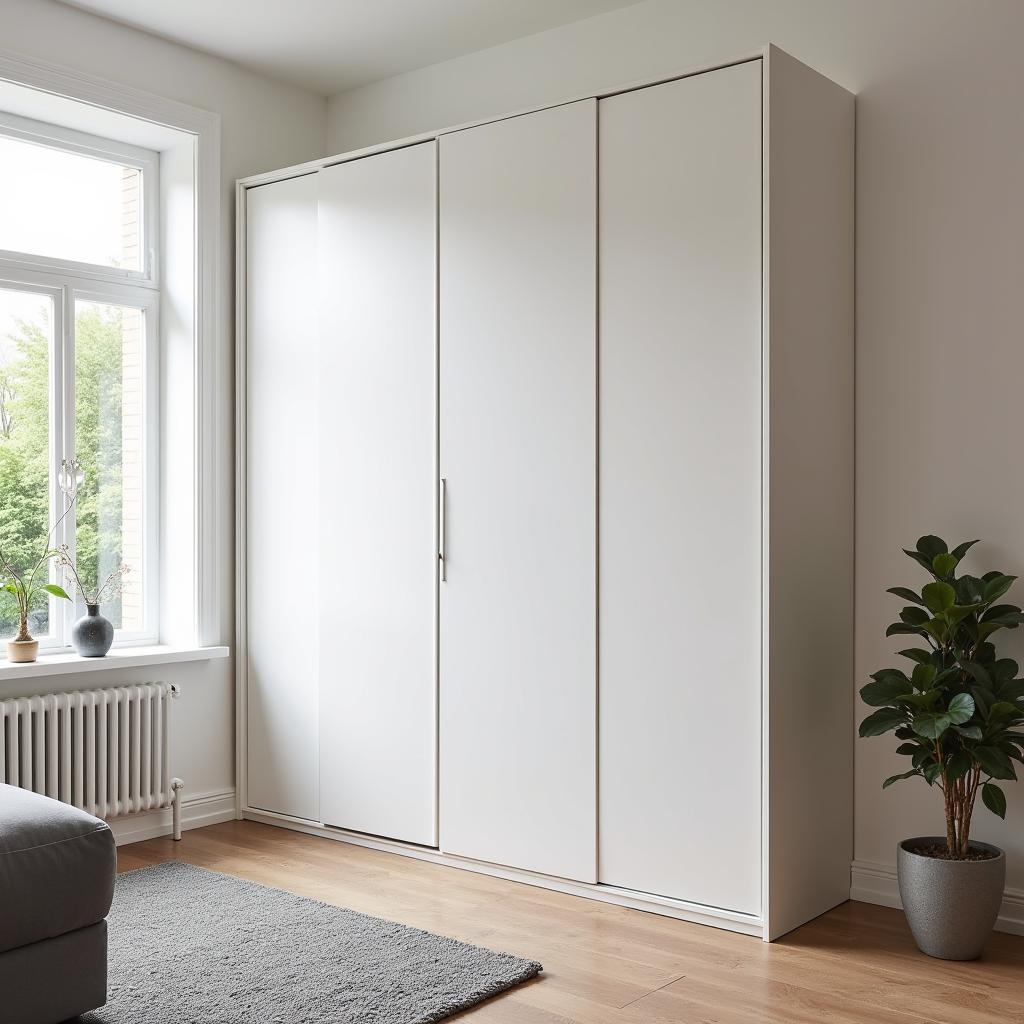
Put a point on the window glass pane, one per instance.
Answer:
(109, 396)
(26, 339)
(70, 206)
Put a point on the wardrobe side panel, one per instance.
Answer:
(810, 309)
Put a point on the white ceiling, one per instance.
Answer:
(332, 45)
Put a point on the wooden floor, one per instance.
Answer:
(607, 965)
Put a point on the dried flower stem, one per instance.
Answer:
(114, 580)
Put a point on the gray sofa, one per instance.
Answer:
(57, 868)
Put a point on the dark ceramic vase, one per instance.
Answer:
(92, 634)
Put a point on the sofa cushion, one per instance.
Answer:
(57, 868)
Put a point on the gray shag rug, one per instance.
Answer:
(190, 946)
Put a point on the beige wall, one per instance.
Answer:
(940, 263)
(264, 125)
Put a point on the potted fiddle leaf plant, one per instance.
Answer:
(957, 711)
(24, 583)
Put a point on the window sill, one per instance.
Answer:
(119, 657)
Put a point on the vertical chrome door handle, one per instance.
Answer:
(442, 529)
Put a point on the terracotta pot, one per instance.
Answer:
(21, 651)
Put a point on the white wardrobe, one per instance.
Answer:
(560, 407)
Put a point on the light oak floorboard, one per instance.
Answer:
(605, 964)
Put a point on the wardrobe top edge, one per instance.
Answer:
(312, 166)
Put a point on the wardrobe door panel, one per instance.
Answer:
(680, 491)
(517, 453)
(378, 387)
(281, 492)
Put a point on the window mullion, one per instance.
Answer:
(56, 432)
(66, 400)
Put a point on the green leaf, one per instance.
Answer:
(884, 691)
(1003, 612)
(914, 616)
(931, 724)
(955, 615)
(946, 673)
(908, 748)
(1004, 668)
(923, 701)
(994, 799)
(986, 629)
(994, 762)
(901, 628)
(930, 546)
(1011, 690)
(943, 565)
(938, 596)
(923, 677)
(936, 629)
(995, 588)
(922, 560)
(906, 593)
(959, 765)
(970, 590)
(882, 721)
(886, 673)
(1002, 710)
(918, 654)
(1006, 621)
(55, 591)
(961, 549)
(970, 732)
(960, 709)
(977, 672)
(985, 654)
(896, 778)
(923, 756)
(932, 772)
(982, 699)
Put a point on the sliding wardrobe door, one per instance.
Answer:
(517, 453)
(680, 504)
(377, 381)
(281, 493)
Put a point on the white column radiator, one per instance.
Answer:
(105, 751)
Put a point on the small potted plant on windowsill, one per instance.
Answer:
(25, 584)
(957, 716)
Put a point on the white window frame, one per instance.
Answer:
(67, 281)
(148, 162)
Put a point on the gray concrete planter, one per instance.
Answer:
(951, 905)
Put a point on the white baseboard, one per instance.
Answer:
(667, 907)
(876, 883)
(196, 812)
